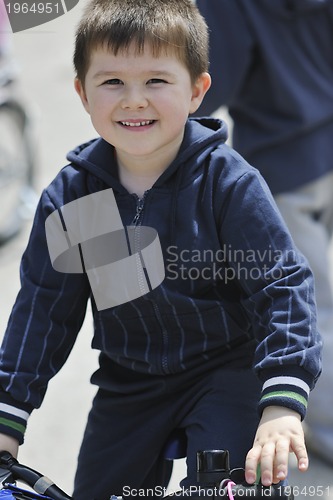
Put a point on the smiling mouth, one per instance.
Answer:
(137, 124)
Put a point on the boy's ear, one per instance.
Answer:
(80, 90)
(199, 89)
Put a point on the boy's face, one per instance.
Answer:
(139, 103)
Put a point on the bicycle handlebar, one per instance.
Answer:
(41, 484)
(213, 473)
(219, 481)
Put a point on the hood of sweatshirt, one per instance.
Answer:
(201, 136)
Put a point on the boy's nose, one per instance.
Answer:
(134, 99)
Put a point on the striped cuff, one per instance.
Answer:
(290, 392)
(13, 421)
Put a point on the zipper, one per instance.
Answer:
(165, 339)
(140, 204)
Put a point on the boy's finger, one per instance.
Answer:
(251, 464)
(266, 463)
(298, 447)
(281, 460)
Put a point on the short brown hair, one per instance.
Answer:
(166, 25)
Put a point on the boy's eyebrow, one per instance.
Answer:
(106, 73)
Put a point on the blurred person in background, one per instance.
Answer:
(272, 66)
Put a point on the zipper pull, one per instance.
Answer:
(139, 209)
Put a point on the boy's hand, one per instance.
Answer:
(8, 443)
(279, 433)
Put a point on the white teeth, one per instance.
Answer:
(137, 124)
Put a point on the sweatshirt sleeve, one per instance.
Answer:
(276, 288)
(42, 328)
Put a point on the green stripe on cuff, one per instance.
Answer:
(14, 425)
(286, 394)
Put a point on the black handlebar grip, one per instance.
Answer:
(40, 483)
(212, 466)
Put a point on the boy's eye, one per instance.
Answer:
(113, 81)
(157, 80)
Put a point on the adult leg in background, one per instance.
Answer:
(308, 213)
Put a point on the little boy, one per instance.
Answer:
(226, 329)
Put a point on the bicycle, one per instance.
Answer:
(17, 156)
(213, 474)
(11, 471)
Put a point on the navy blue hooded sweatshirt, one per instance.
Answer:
(235, 285)
(271, 63)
